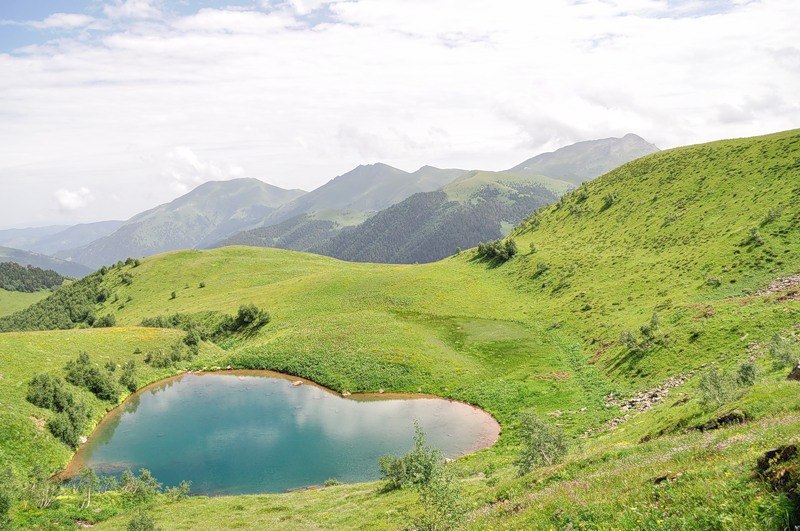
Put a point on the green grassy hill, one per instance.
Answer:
(299, 233)
(14, 301)
(696, 235)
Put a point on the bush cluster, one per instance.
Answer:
(82, 372)
(717, 386)
(498, 249)
(72, 415)
(542, 444)
(414, 468)
(650, 335)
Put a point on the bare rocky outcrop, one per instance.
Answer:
(638, 403)
(790, 285)
(795, 374)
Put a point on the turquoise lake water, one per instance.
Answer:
(244, 433)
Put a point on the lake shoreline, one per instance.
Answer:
(79, 457)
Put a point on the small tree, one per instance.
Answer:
(542, 444)
(414, 468)
(173, 295)
(88, 482)
(783, 351)
(716, 387)
(441, 500)
(746, 376)
(128, 377)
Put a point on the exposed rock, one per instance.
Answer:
(297, 382)
(83, 439)
(638, 403)
(381, 391)
(346, 393)
(737, 416)
(667, 477)
(795, 374)
(780, 468)
(790, 285)
(228, 368)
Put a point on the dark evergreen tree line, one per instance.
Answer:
(14, 277)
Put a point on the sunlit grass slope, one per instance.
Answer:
(24, 440)
(14, 301)
(691, 234)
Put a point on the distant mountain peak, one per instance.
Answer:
(583, 161)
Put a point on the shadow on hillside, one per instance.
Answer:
(490, 263)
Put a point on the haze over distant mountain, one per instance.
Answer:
(75, 236)
(210, 212)
(299, 233)
(583, 161)
(62, 267)
(23, 238)
(479, 206)
(368, 187)
(471, 207)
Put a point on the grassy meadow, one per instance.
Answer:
(692, 235)
(14, 301)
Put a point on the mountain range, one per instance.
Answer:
(374, 212)
(25, 258)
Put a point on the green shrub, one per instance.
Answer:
(5, 507)
(716, 387)
(49, 392)
(746, 376)
(181, 492)
(139, 489)
(82, 373)
(106, 321)
(608, 200)
(141, 521)
(650, 335)
(754, 237)
(442, 504)
(783, 351)
(128, 376)
(542, 444)
(249, 316)
(332, 482)
(414, 468)
(498, 249)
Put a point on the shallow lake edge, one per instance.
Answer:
(76, 463)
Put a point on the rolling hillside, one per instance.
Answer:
(62, 267)
(697, 236)
(208, 213)
(299, 233)
(479, 206)
(471, 207)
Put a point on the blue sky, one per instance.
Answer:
(110, 107)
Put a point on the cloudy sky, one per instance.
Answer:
(111, 107)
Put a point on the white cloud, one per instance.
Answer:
(184, 170)
(63, 21)
(298, 99)
(132, 9)
(74, 199)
